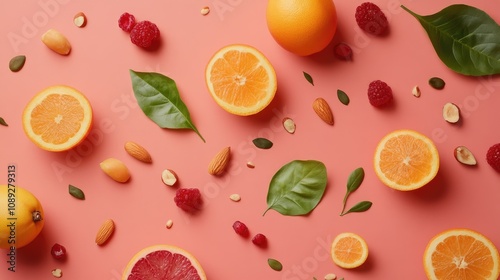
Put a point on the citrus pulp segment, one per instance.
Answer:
(163, 262)
(349, 250)
(406, 160)
(57, 118)
(461, 254)
(241, 79)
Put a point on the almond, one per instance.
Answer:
(464, 156)
(451, 113)
(115, 169)
(105, 232)
(289, 125)
(56, 41)
(219, 163)
(138, 152)
(322, 109)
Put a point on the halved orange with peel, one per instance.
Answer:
(406, 160)
(461, 254)
(349, 250)
(241, 79)
(58, 118)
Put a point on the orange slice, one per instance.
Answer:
(461, 254)
(165, 262)
(241, 80)
(406, 160)
(57, 118)
(349, 250)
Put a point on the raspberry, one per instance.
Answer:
(493, 157)
(241, 229)
(126, 22)
(379, 93)
(371, 19)
(343, 51)
(260, 240)
(144, 34)
(188, 200)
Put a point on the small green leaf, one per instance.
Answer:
(262, 143)
(274, 264)
(344, 99)
(466, 39)
(297, 187)
(76, 192)
(308, 78)
(360, 207)
(2, 122)
(436, 83)
(355, 179)
(353, 182)
(17, 63)
(159, 99)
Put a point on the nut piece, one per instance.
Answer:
(205, 10)
(115, 169)
(169, 224)
(80, 19)
(105, 232)
(330, 276)
(322, 109)
(138, 152)
(289, 125)
(56, 41)
(451, 112)
(464, 156)
(250, 165)
(57, 273)
(235, 197)
(219, 163)
(169, 177)
(416, 91)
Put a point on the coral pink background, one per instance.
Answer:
(397, 227)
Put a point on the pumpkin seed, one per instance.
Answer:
(17, 63)
(274, 264)
(76, 192)
(262, 143)
(436, 83)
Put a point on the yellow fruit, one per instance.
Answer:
(406, 160)
(349, 250)
(303, 27)
(241, 80)
(461, 254)
(163, 262)
(21, 217)
(58, 118)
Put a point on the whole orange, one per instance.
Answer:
(21, 217)
(303, 27)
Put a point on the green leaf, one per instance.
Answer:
(308, 78)
(76, 192)
(159, 99)
(344, 99)
(466, 39)
(262, 143)
(2, 122)
(353, 182)
(360, 207)
(274, 264)
(297, 187)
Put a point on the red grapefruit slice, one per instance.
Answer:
(163, 262)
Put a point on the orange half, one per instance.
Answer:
(461, 254)
(241, 79)
(349, 250)
(57, 118)
(406, 160)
